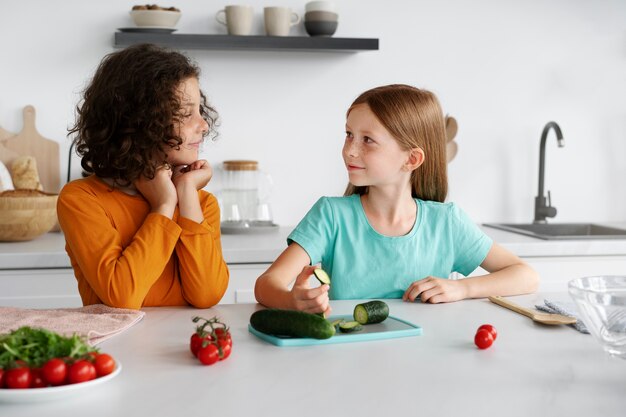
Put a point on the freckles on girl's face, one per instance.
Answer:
(192, 125)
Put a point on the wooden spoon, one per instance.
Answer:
(452, 128)
(544, 318)
(451, 150)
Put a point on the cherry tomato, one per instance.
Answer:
(490, 329)
(194, 343)
(18, 378)
(55, 371)
(209, 354)
(104, 364)
(225, 347)
(37, 380)
(81, 371)
(483, 339)
(221, 332)
(1, 378)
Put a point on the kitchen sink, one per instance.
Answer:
(562, 231)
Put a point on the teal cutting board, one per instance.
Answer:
(391, 328)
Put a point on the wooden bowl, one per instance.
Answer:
(26, 214)
(155, 18)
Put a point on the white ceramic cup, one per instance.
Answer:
(279, 20)
(237, 19)
(325, 6)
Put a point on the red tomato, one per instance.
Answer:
(483, 339)
(81, 371)
(222, 332)
(225, 348)
(490, 329)
(104, 364)
(196, 341)
(18, 378)
(1, 378)
(55, 371)
(194, 344)
(37, 380)
(209, 354)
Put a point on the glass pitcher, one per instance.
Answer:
(244, 188)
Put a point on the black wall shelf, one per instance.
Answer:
(227, 42)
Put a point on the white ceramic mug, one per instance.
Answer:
(326, 6)
(237, 19)
(278, 20)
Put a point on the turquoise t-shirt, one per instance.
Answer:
(362, 263)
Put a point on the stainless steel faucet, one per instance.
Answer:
(543, 210)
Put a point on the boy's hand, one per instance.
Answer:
(159, 191)
(197, 174)
(436, 290)
(310, 300)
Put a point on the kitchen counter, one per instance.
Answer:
(531, 370)
(48, 251)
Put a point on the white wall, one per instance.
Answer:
(502, 68)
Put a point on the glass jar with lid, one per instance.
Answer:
(244, 189)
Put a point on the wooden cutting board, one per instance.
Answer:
(30, 143)
(6, 154)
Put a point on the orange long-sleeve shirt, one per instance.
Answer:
(124, 256)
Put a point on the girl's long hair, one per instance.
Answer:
(415, 119)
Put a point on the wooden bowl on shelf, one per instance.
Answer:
(26, 214)
(155, 18)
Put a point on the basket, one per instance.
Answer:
(26, 214)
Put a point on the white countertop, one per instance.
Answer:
(48, 251)
(531, 370)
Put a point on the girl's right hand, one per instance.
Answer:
(310, 300)
(159, 191)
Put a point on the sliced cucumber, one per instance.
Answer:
(371, 312)
(321, 276)
(291, 323)
(337, 323)
(350, 326)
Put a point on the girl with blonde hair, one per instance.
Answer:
(391, 235)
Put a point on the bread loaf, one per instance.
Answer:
(24, 173)
(5, 178)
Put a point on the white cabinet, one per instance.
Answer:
(556, 271)
(55, 288)
(241, 284)
(39, 288)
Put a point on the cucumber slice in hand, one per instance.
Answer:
(321, 276)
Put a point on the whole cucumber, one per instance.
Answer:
(291, 323)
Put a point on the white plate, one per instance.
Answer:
(148, 29)
(33, 395)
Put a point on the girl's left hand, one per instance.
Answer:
(436, 290)
(198, 174)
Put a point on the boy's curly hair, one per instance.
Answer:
(126, 119)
